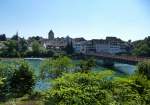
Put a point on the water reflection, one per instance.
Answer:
(125, 68)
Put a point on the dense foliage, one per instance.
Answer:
(55, 67)
(101, 88)
(20, 48)
(87, 64)
(80, 89)
(15, 80)
(69, 48)
(3, 37)
(98, 89)
(23, 80)
(11, 49)
(142, 47)
(6, 72)
(77, 88)
(144, 68)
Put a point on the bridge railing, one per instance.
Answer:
(121, 57)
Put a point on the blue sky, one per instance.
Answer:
(126, 19)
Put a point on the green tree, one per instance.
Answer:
(142, 50)
(15, 37)
(10, 49)
(22, 46)
(6, 72)
(69, 48)
(125, 91)
(99, 89)
(23, 80)
(36, 48)
(81, 89)
(144, 68)
(3, 37)
(56, 66)
(142, 47)
(87, 65)
(45, 68)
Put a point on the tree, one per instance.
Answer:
(15, 37)
(36, 48)
(3, 37)
(125, 91)
(48, 53)
(23, 46)
(35, 38)
(86, 65)
(23, 80)
(99, 89)
(69, 48)
(81, 89)
(56, 67)
(142, 50)
(142, 47)
(10, 49)
(6, 72)
(144, 68)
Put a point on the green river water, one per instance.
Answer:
(120, 69)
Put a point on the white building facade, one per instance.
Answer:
(110, 45)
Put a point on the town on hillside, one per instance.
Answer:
(110, 45)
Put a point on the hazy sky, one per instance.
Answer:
(126, 19)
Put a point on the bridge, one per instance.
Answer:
(118, 58)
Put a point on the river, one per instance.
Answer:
(120, 69)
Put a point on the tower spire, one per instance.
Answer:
(51, 35)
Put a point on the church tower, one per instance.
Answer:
(51, 35)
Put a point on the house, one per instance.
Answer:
(55, 43)
(110, 45)
(79, 45)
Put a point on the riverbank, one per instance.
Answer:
(22, 101)
(15, 59)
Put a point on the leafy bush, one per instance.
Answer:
(144, 68)
(81, 89)
(22, 80)
(35, 95)
(87, 65)
(56, 67)
(6, 72)
(99, 89)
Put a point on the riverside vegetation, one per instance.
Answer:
(71, 86)
(19, 47)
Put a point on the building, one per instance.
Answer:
(79, 45)
(55, 43)
(101, 46)
(51, 35)
(110, 45)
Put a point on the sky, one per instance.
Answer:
(91, 19)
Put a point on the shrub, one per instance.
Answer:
(6, 72)
(56, 67)
(144, 68)
(22, 80)
(87, 65)
(81, 89)
(99, 89)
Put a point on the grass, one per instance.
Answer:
(22, 101)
